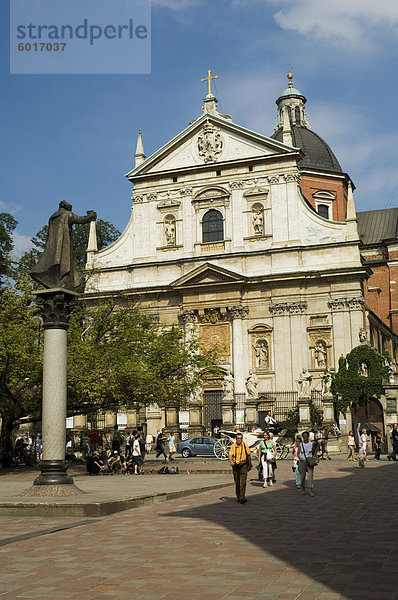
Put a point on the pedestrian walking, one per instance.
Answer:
(378, 442)
(148, 442)
(363, 444)
(394, 435)
(172, 445)
(296, 461)
(351, 446)
(240, 461)
(306, 454)
(138, 461)
(160, 446)
(267, 457)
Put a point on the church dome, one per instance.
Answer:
(293, 129)
(317, 154)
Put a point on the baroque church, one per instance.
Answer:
(253, 242)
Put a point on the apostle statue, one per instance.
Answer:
(304, 383)
(170, 232)
(228, 385)
(251, 385)
(56, 267)
(327, 381)
(320, 355)
(258, 221)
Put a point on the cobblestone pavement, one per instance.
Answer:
(342, 544)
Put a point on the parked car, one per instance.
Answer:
(196, 446)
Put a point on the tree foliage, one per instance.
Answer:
(349, 386)
(7, 226)
(20, 358)
(119, 356)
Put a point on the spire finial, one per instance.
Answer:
(209, 78)
(139, 152)
(290, 77)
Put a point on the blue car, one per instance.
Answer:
(196, 446)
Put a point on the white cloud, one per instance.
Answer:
(21, 243)
(353, 22)
(13, 209)
(175, 5)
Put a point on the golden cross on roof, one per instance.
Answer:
(209, 78)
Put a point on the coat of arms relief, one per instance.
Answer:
(210, 143)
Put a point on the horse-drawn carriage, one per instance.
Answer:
(252, 439)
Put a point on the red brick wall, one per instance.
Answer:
(310, 185)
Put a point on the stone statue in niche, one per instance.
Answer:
(258, 220)
(364, 369)
(228, 385)
(261, 352)
(170, 232)
(304, 383)
(251, 385)
(320, 355)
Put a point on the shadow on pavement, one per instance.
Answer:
(346, 538)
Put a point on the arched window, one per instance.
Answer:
(212, 226)
(323, 210)
(297, 115)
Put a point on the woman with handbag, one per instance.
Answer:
(267, 457)
(307, 462)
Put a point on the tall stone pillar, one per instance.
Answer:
(196, 427)
(237, 314)
(55, 307)
(328, 409)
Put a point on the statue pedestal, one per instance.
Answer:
(171, 421)
(304, 404)
(133, 416)
(228, 412)
(328, 409)
(251, 411)
(196, 427)
(55, 307)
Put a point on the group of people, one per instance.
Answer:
(304, 455)
(136, 447)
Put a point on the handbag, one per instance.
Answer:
(310, 460)
(249, 463)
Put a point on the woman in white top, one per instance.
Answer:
(351, 446)
(305, 450)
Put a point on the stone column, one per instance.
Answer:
(55, 306)
(196, 427)
(238, 313)
(228, 412)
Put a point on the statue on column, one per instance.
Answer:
(56, 267)
(251, 385)
(304, 383)
(228, 385)
(327, 381)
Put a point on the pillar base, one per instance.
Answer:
(53, 472)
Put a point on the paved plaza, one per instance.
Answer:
(342, 544)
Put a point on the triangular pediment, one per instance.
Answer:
(210, 140)
(208, 274)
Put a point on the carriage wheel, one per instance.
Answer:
(285, 451)
(222, 447)
(279, 450)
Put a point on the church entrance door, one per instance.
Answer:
(213, 409)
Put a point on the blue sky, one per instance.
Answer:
(73, 137)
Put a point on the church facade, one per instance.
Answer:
(251, 242)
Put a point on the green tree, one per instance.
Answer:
(7, 226)
(350, 386)
(20, 359)
(119, 356)
(106, 235)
